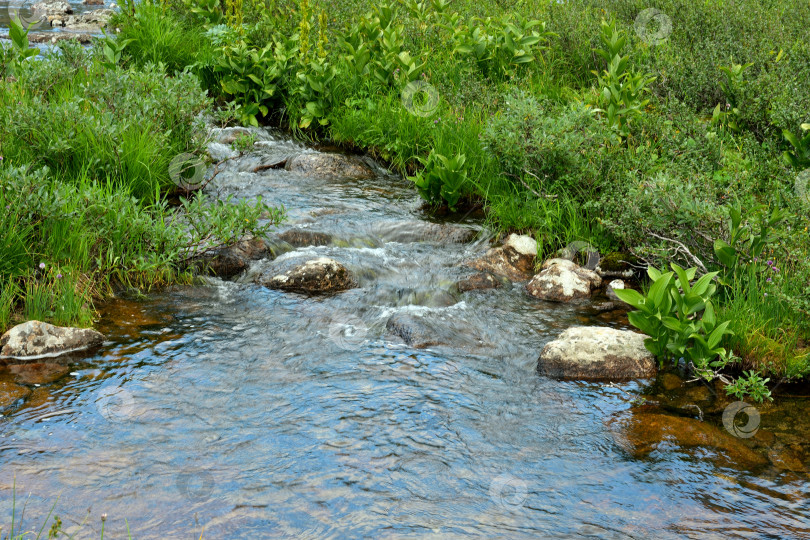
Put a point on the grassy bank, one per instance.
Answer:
(84, 180)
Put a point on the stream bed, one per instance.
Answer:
(245, 412)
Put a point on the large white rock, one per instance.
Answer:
(35, 339)
(562, 280)
(596, 353)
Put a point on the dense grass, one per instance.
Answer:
(85, 150)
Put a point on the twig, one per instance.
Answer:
(684, 248)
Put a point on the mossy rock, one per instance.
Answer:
(618, 264)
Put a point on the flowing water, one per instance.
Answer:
(253, 413)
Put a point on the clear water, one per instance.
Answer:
(252, 413)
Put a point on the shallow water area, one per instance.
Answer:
(253, 413)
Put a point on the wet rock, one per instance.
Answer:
(786, 459)
(602, 307)
(478, 282)
(322, 275)
(329, 165)
(55, 7)
(93, 2)
(614, 285)
(412, 329)
(54, 37)
(425, 296)
(91, 21)
(38, 372)
(641, 433)
(35, 339)
(622, 265)
(11, 394)
(561, 280)
(422, 231)
(228, 261)
(697, 398)
(514, 260)
(221, 152)
(596, 353)
(670, 381)
(304, 237)
(267, 162)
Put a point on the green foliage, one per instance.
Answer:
(800, 155)
(680, 318)
(733, 85)
(315, 92)
(621, 87)
(252, 77)
(121, 126)
(442, 178)
(500, 47)
(159, 36)
(742, 254)
(750, 384)
(112, 49)
(549, 146)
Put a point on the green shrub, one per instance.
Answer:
(550, 147)
(124, 126)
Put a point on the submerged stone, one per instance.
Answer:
(640, 433)
(11, 394)
(412, 329)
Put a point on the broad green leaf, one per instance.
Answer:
(659, 289)
(718, 333)
(629, 296)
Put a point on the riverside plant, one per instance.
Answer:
(622, 89)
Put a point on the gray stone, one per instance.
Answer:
(322, 275)
(561, 280)
(35, 339)
(228, 261)
(221, 152)
(596, 353)
(514, 260)
(55, 7)
(329, 165)
(413, 331)
(614, 285)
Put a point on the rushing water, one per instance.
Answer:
(252, 413)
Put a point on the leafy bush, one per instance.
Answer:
(621, 87)
(679, 317)
(548, 145)
(443, 178)
(124, 126)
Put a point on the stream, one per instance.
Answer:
(245, 412)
